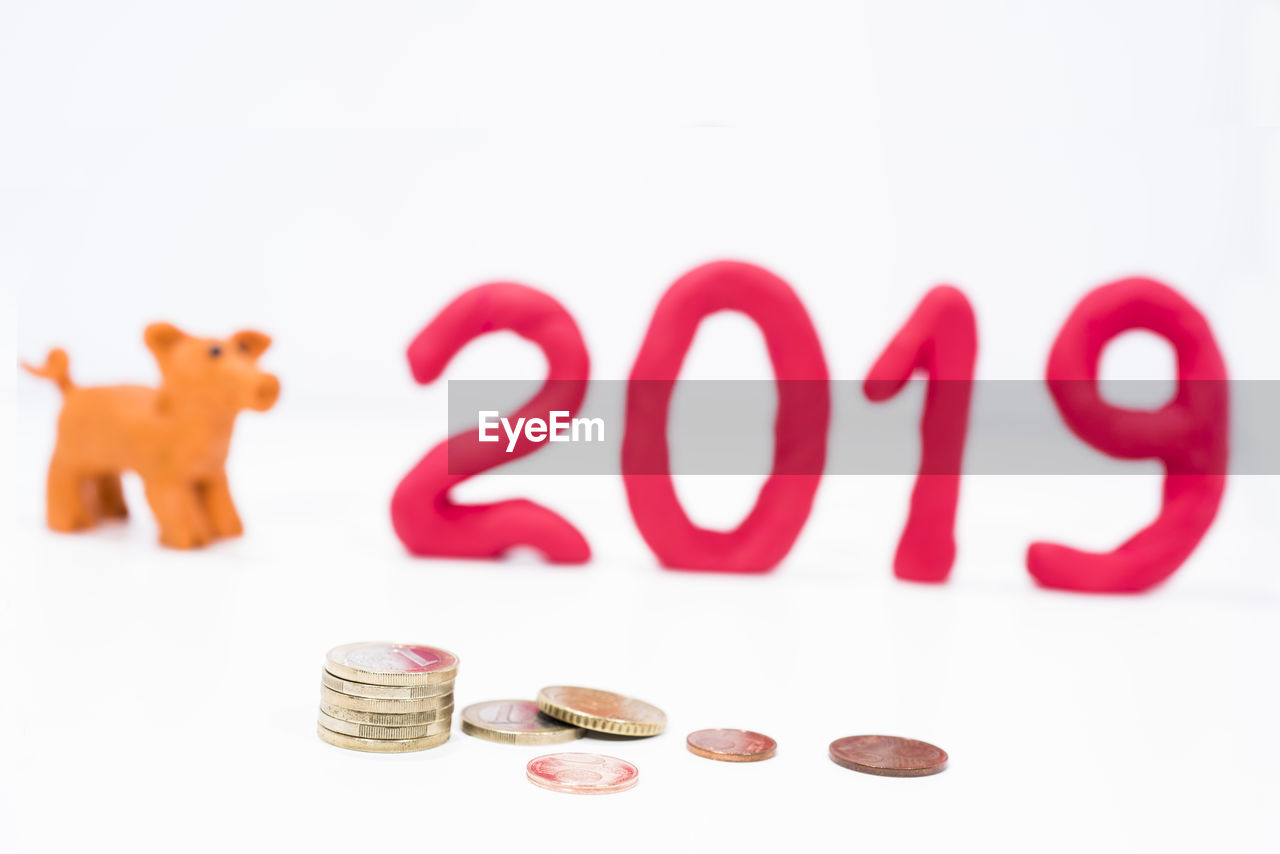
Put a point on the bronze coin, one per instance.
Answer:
(888, 755)
(731, 745)
(601, 711)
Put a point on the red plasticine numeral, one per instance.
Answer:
(804, 406)
(427, 521)
(1189, 434)
(940, 338)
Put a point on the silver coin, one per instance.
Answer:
(384, 663)
(516, 722)
(387, 719)
(386, 732)
(393, 707)
(384, 692)
(381, 745)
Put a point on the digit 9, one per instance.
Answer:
(1188, 434)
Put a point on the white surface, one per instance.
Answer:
(335, 173)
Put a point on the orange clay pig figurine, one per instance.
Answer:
(176, 437)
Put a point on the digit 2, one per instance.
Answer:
(425, 519)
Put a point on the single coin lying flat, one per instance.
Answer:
(383, 663)
(384, 692)
(516, 722)
(442, 704)
(888, 755)
(386, 718)
(381, 745)
(601, 711)
(731, 745)
(582, 773)
(395, 733)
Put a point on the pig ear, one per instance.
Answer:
(161, 336)
(252, 343)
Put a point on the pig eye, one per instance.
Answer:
(215, 351)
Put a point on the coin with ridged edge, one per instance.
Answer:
(601, 711)
(394, 707)
(382, 719)
(384, 732)
(888, 755)
(384, 692)
(515, 722)
(381, 745)
(582, 773)
(385, 663)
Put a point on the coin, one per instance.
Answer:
(888, 755)
(383, 719)
(515, 722)
(382, 663)
(731, 745)
(385, 732)
(381, 745)
(384, 692)
(601, 711)
(394, 707)
(582, 773)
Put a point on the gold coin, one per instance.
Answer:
(515, 722)
(381, 745)
(383, 663)
(380, 719)
(384, 692)
(393, 707)
(384, 732)
(601, 711)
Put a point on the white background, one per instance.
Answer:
(334, 173)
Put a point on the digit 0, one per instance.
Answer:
(425, 519)
(804, 404)
(1189, 434)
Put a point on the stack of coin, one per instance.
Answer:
(387, 697)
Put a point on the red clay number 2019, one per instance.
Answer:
(939, 339)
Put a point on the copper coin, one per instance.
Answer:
(582, 773)
(888, 755)
(731, 745)
(601, 711)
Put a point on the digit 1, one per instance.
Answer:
(804, 404)
(1189, 434)
(425, 519)
(940, 338)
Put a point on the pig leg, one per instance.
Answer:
(111, 497)
(182, 521)
(66, 507)
(221, 511)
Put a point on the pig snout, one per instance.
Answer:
(265, 393)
